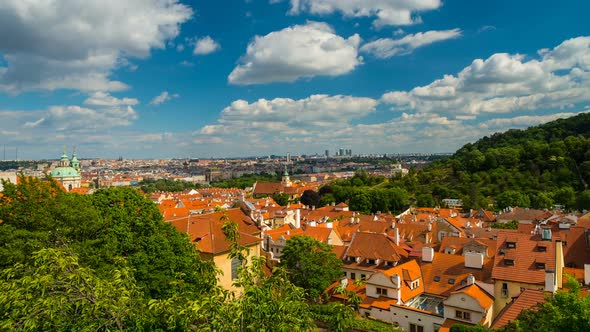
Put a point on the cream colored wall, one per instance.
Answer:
(357, 272)
(334, 239)
(513, 290)
(223, 263)
(382, 281)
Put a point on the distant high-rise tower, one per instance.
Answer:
(341, 152)
(327, 153)
(288, 157)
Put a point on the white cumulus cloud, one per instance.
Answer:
(299, 51)
(163, 97)
(506, 83)
(285, 120)
(384, 48)
(205, 45)
(386, 12)
(71, 44)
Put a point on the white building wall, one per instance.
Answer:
(405, 316)
(7, 176)
(466, 303)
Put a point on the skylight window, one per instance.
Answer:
(452, 281)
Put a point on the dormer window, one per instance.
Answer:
(371, 261)
(540, 265)
(437, 278)
(452, 281)
(511, 245)
(508, 262)
(415, 284)
(541, 248)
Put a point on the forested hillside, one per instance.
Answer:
(537, 167)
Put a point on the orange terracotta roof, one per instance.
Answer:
(524, 214)
(319, 233)
(447, 273)
(175, 213)
(267, 188)
(375, 246)
(408, 272)
(339, 250)
(524, 256)
(245, 223)
(575, 251)
(484, 299)
(207, 234)
(529, 298)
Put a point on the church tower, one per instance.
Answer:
(75, 163)
(65, 161)
(68, 172)
(286, 181)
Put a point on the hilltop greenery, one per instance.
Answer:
(537, 167)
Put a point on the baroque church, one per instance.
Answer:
(68, 171)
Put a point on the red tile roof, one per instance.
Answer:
(524, 256)
(205, 231)
(529, 298)
(375, 246)
(484, 299)
(447, 272)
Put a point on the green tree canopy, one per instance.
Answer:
(310, 264)
(310, 198)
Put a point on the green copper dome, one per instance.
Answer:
(63, 172)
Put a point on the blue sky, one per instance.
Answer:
(172, 78)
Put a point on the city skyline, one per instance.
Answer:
(175, 79)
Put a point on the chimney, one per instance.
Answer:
(343, 282)
(313, 207)
(473, 260)
(586, 274)
(550, 281)
(396, 280)
(393, 225)
(427, 254)
(396, 236)
(358, 220)
(430, 227)
(559, 262)
(329, 224)
(351, 220)
(470, 279)
(297, 218)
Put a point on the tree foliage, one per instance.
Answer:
(310, 264)
(57, 294)
(310, 198)
(537, 167)
(151, 185)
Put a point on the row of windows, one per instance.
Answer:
(353, 276)
(462, 315)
